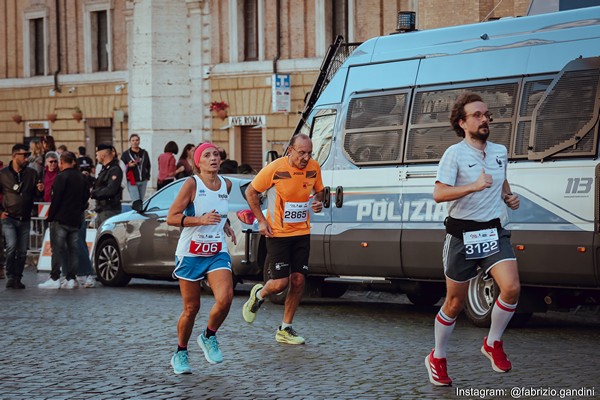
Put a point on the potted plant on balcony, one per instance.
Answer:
(219, 108)
(17, 118)
(51, 117)
(77, 114)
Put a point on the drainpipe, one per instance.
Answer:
(278, 39)
(58, 54)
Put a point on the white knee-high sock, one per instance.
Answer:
(444, 325)
(501, 315)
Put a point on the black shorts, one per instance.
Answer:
(287, 255)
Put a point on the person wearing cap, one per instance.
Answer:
(201, 210)
(107, 189)
(19, 186)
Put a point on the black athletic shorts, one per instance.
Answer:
(287, 255)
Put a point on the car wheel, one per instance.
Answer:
(109, 266)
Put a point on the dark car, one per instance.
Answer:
(139, 243)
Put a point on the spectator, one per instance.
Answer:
(69, 201)
(121, 164)
(50, 173)
(186, 162)
(107, 187)
(84, 162)
(48, 143)
(227, 166)
(137, 161)
(18, 185)
(36, 160)
(167, 165)
(61, 149)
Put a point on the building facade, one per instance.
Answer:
(154, 67)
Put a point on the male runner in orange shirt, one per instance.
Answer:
(289, 182)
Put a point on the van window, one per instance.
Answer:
(533, 91)
(430, 133)
(319, 127)
(374, 128)
(322, 134)
(565, 123)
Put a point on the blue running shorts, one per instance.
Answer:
(196, 268)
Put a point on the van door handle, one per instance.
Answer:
(326, 197)
(339, 196)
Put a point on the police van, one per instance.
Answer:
(380, 124)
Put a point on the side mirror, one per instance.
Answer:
(271, 156)
(137, 205)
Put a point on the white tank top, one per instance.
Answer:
(205, 240)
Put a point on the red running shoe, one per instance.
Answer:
(436, 368)
(497, 356)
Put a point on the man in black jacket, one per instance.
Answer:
(19, 186)
(69, 201)
(107, 188)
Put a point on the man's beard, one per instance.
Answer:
(482, 136)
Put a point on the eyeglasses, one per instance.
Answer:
(303, 154)
(52, 161)
(478, 115)
(23, 154)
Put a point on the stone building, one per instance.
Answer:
(155, 66)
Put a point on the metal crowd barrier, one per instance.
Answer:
(38, 229)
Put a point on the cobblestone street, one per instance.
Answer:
(116, 343)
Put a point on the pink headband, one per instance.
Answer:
(200, 149)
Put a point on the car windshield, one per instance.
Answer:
(163, 199)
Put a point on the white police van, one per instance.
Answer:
(380, 126)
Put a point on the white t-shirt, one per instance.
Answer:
(461, 165)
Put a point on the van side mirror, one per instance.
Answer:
(137, 205)
(271, 156)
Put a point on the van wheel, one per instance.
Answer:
(109, 265)
(480, 299)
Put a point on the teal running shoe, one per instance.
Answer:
(180, 363)
(210, 347)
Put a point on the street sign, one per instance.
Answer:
(281, 93)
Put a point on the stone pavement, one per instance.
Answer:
(116, 343)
